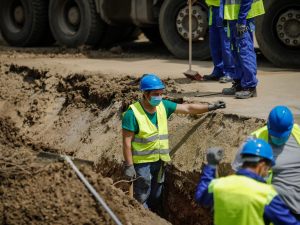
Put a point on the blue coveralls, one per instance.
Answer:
(276, 212)
(243, 48)
(220, 43)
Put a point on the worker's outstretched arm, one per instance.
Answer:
(199, 108)
(213, 156)
(202, 196)
(127, 139)
(278, 213)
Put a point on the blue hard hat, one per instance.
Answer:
(151, 82)
(258, 148)
(280, 122)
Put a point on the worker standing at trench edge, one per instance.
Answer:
(219, 44)
(240, 15)
(284, 137)
(243, 198)
(146, 142)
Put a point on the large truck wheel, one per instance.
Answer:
(25, 22)
(173, 27)
(153, 34)
(114, 34)
(75, 22)
(278, 32)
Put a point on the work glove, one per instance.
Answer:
(241, 29)
(129, 172)
(214, 156)
(216, 105)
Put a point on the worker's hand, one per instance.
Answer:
(214, 155)
(129, 172)
(216, 105)
(241, 29)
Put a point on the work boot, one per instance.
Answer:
(246, 93)
(236, 86)
(211, 77)
(225, 79)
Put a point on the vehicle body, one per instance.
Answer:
(100, 23)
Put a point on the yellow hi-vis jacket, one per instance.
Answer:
(212, 2)
(151, 143)
(240, 200)
(263, 133)
(232, 9)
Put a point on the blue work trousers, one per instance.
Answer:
(244, 55)
(219, 43)
(149, 185)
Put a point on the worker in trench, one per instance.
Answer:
(243, 198)
(145, 139)
(284, 137)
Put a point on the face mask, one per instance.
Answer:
(279, 141)
(155, 100)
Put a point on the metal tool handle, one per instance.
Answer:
(190, 35)
(93, 191)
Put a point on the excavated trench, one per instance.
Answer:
(80, 115)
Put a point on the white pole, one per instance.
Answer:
(190, 35)
(93, 191)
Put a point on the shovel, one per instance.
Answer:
(191, 74)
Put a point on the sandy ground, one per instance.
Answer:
(276, 85)
(71, 102)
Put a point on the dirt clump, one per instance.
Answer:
(34, 192)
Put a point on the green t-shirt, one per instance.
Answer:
(130, 123)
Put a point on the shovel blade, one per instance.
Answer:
(193, 75)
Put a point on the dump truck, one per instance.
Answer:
(100, 23)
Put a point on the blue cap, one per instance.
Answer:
(280, 122)
(151, 82)
(258, 148)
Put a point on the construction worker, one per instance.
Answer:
(243, 198)
(145, 139)
(219, 44)
(240, 16)
(284, 137)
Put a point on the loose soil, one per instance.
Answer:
(79, 114)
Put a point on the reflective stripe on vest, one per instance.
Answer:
(212, 2)
(263, 133)
(151, 143)
(232, 9)
(150, 139)
(240, 200)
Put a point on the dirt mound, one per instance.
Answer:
(34, 192)
(80, 115)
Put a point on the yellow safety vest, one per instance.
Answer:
(151, 143)
(240, 200)
(263, 133)
(212, 2)
(232, 9)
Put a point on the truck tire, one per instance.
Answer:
(153, 34)
(25, 22)
(114, 34)
(278, 32)
(75, 22)
(176, 40)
